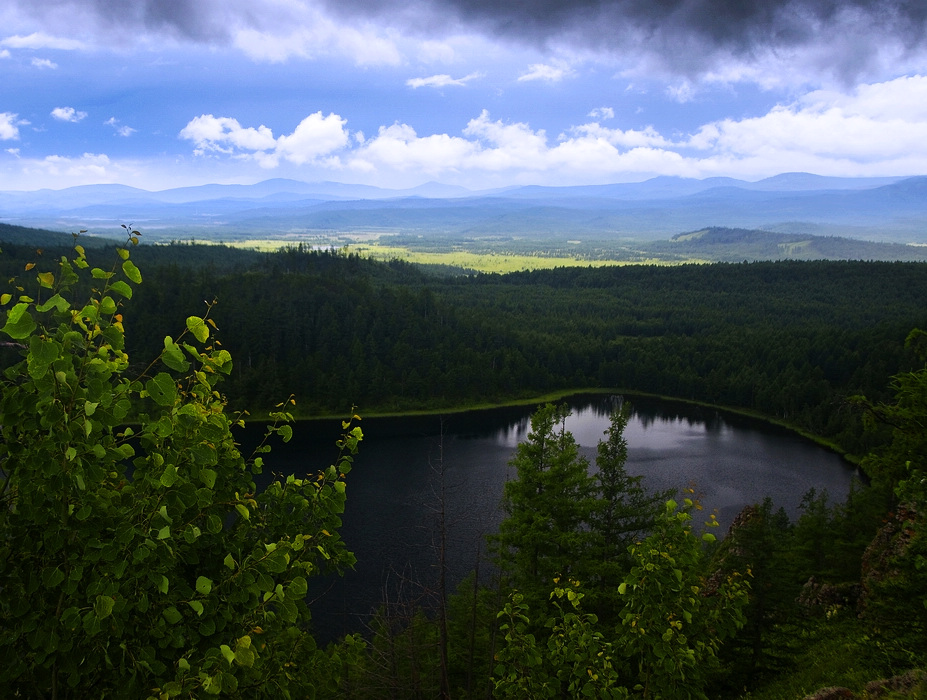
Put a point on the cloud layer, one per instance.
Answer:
(878, 129)
(695, 39)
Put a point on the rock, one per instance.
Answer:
(829, 598)
(904, 683)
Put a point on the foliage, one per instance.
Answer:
(623, 511)
(575, 662)
(136, 558)
(675, 618)
(895, 572)
(547, 506)
(673, 623)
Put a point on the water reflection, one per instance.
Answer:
(393, 491)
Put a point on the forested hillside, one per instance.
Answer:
(788, 339)
(149, 549)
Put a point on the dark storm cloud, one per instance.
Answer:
(737, 24)
(688, 37)
(195, 20)
(684, 35)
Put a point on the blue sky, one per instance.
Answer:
(165, 93)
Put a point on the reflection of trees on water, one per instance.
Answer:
(650, 411)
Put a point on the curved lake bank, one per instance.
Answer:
(393, 492)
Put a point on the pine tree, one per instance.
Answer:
(547, 506)
(623, 511)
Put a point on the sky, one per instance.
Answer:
(478, 93)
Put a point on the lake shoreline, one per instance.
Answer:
(564, 394)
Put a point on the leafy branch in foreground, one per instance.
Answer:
(138, 560)
(673, 621)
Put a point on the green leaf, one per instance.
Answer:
(196, 605)
(107, 305)
(203, 585)
(708, 537)
(208, 477)
(163, 585)
(229, 561)
(121, 288)
(198, 328)
(173, 356)
(285, 432)
(54, 301)
(46, 279)
(43, 352)
(53, 577)
(244, 655)
(243, 511)
(227, 653)
(103, 606)
(172, 615)
(19, 322)
(164, 533)
(169, 476)
(130, 271)
(298, 587)
(622, 588)
(162, 389)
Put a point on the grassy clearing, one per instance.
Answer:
(482, 262)
(367, 245)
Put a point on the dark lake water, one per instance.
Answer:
(394, 489)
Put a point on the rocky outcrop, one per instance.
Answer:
(913, 680)
(905, 685)
(828, 598)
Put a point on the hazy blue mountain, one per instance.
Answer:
(882, 209)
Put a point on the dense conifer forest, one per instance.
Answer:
(148, 549)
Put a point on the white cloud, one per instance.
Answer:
(885, 122)
(92, 166)
(311, 34)
(439, 81)
(39, 40)
(398, 147)
(44, 63)
(877, 129)
(314, 137)
(13, 152)
(9, 130)
(121, 129)
(226, 135)
(67, 114)
(602, 113)
(4, 53)
(542, 71)
(681, 92)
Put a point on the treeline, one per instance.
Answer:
(788, 339)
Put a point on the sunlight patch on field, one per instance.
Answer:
(501, 262)
(481, 262)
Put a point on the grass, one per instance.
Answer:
(483, 262)
(840, 653)
(367, 244)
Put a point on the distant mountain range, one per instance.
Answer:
(876, 209)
